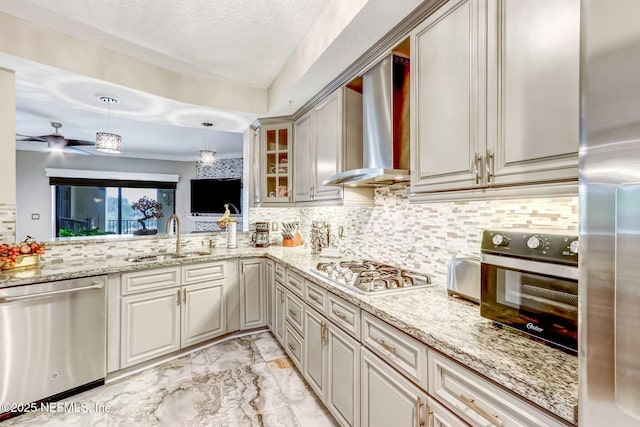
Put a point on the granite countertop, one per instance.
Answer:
(545, 376)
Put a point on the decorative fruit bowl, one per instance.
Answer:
(20, 255)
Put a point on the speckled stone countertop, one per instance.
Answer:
(545, 376)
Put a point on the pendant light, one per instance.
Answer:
(207, 157)
(108, 142)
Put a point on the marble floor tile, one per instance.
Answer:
(246, 381)
(268, 346)
(306, 406)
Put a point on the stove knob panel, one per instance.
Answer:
(574, 247)
(500, 240)
(535, 242)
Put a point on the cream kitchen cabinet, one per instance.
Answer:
(492, 104)
(270, 284)
(275, 162)
(279, 312)
(331, 366)
(203, 312)
(440, 416)
(388, 398)
(342, 395)
(327, 141)
(150, 325)
(478, 401)
(163, 310)
(303, 151)
(252, 293)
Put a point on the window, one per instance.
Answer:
(94, 207)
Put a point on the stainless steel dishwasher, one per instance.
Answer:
(53, 338)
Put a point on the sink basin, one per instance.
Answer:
(165, 257)
(193, 254)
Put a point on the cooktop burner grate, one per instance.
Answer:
(366, 276)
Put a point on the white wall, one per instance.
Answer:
(34, 192)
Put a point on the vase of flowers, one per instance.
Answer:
(149, 209)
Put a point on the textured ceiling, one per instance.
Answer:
(287, 49)
(246, 41)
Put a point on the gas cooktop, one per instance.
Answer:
(370, 277)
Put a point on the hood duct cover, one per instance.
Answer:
(385, 98)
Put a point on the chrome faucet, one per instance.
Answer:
(178, 238)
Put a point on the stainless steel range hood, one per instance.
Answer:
(385, 98)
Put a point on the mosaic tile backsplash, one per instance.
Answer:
(7, 222)
(422, 237)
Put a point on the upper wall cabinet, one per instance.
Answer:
(327, 140)
(495, 94)
(275, 173)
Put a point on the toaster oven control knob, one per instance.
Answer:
(574, 247)
(535, 242)
(500, 240)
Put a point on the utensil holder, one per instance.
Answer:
(296, 241)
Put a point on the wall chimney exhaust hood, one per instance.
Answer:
(385, 98)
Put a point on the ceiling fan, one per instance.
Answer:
(56, 141)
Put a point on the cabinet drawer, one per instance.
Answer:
(440, 416)
(478, 401)
(344, 314)
(315, 296)
(147, 280)
(294, 345)
(404, 353)
(280, 273)
(295, 282)
(201, 272)
(294, 311)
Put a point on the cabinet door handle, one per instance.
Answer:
(293, 313)
(178, 300)
(316, 299)
(324, 333)
(340, 316)
(389, 348)
(419, 404)
(291, 347)
(471, 403)
(184, 296)
(242, 267)
(477, 166)
(490, 166)
(430, 417)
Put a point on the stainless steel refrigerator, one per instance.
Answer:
(609, 282)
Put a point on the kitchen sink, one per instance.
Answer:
(165, 257)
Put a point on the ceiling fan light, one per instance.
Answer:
(108, 142)
(207, 157)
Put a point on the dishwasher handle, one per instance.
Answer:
(95, 285)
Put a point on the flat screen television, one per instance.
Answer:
(208, 196)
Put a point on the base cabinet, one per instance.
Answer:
(150, 325)
(279, 313)
(252, 293)
(331, 366)
(477, 401)
(342, 395)
(270, 283)
(164, 310)
(203, 312)
(389, 399)
(440, 416)
(315, 356)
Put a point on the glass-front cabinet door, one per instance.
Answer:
(276, 176)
